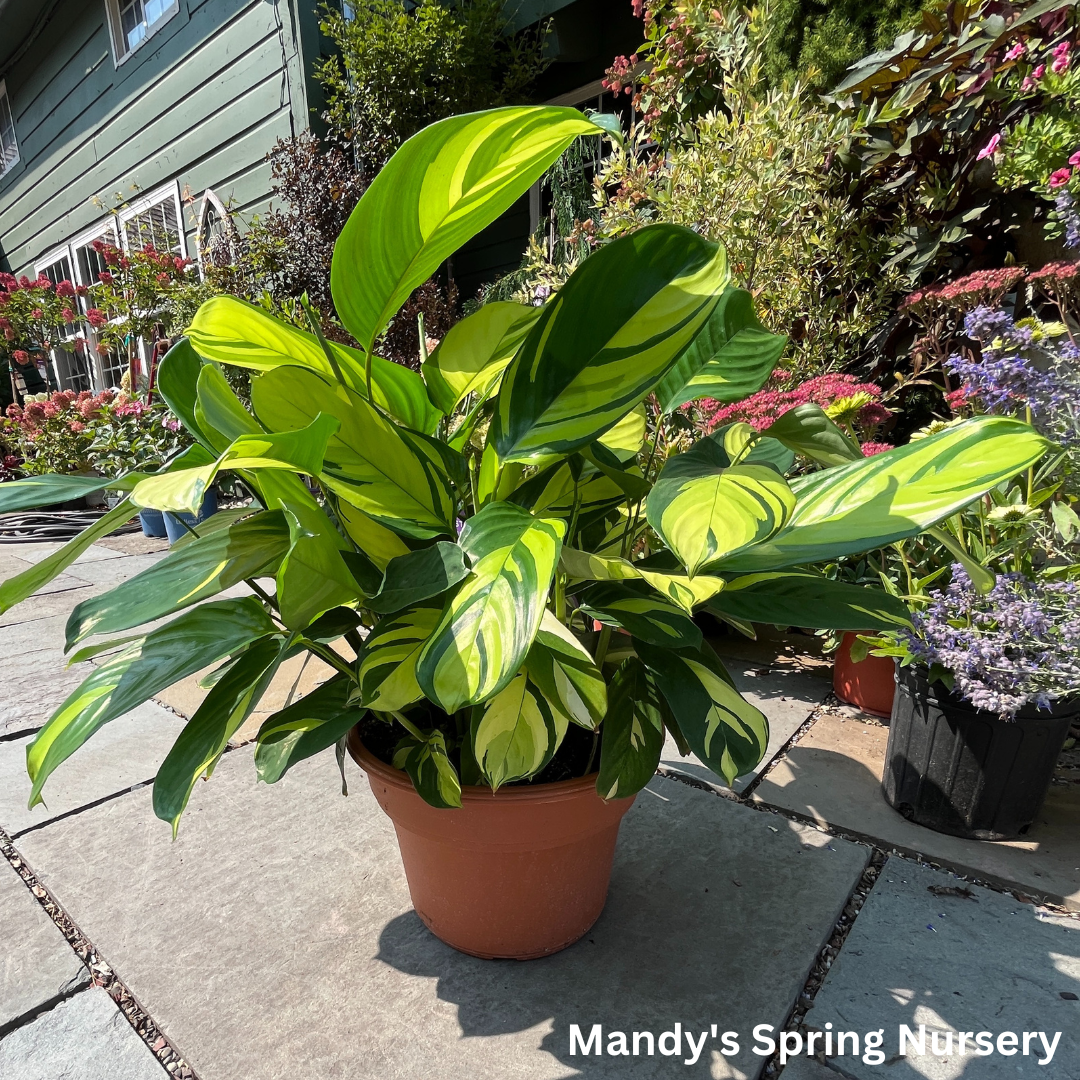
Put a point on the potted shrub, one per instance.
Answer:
(461, 529)
(988, 688)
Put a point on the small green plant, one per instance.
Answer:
(463, 529)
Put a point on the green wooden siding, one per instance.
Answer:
(201, 103)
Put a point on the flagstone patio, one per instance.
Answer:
(275, 937)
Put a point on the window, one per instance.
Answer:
(71, 365)
(9, 148)
(155, 220)
(133, 21)
(88, 264)
(215, 234)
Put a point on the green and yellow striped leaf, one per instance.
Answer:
(807, 430)
(472, 356)
(441, 188)
(194, 640)
(386, 672)
(485, 633)
(206, 735)
(564, 672)
(377, 542)
(516, 733)
(430, 769)
(704, 513)
(634, 606)
(196, 571)
(803, 598)
(610, 335)
(725, 731)
(633, 733)
(891, 496)
(291, 451)
(731, 357)
(685, 591)
(395, 476)
(231, 331)
(303, 729)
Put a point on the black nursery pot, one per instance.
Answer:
(964, 771)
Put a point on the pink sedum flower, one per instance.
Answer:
(869, 449)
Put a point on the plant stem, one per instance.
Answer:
(592, 753)
(631, 523)
(316, 329)
(331, 657)
(602, 645)
(409, 726)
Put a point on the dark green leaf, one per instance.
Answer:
(419, 576)
(632, 734)
(635, 607)
(432, 773)
(808, 431)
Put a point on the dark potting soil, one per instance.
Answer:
(570, 761)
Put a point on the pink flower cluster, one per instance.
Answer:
(1061, 274)
(71, 407)
(981, 287)
(766, 406)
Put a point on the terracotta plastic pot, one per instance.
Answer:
(516, 874)
(869, 684)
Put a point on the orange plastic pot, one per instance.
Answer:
(870, 684)
(514, 874)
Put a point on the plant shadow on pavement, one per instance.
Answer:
(705, 924)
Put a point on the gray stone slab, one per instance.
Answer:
(44, 606)
(37, 966)
(34, 553)
(786, 693)
(125, 752)
(953, 964)
(35, 681)
(83, 1038)
(275, 938)
(833, 776)
(108, 572)
(807, 1068)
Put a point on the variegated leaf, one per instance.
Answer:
(725, 731)
(442, 187)
(516, 734)
(430, 769)
(387, 665)
(704, 512)
(685, 591)
(610, 335)
(472, 356)
(395, 476)
(634, 606)
(481, 640)
(564, 672)
(633, 732)
(891, 496)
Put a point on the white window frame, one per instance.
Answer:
(62, 367)
(5, 103)
(210, 200)
(104, 230)
(121, 53)
(170, 191)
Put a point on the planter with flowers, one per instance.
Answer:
(462, 529)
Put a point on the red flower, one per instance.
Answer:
(163, 279)
(67, 315)
(37, 313)
(1059, 178)
(76, 426)
(105, 277)
(21, 356)
(95, 317)
(65, 288)
(957, 399)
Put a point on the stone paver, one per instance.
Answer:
(953, 964)
(83, 1038)
(786, 693)
(833, 775)
(37, 966)
(33, 685)
(46, 606)
(275, 937)
(807, 1068)
(125, 752)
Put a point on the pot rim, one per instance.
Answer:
(538, 793)
(916, 677)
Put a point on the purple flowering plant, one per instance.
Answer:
(1015, 645)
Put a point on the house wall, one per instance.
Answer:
(199, 104)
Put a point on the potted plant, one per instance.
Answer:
(989, 676)
(460, 529)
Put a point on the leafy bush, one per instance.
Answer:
(764, 173)
(398, 68)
